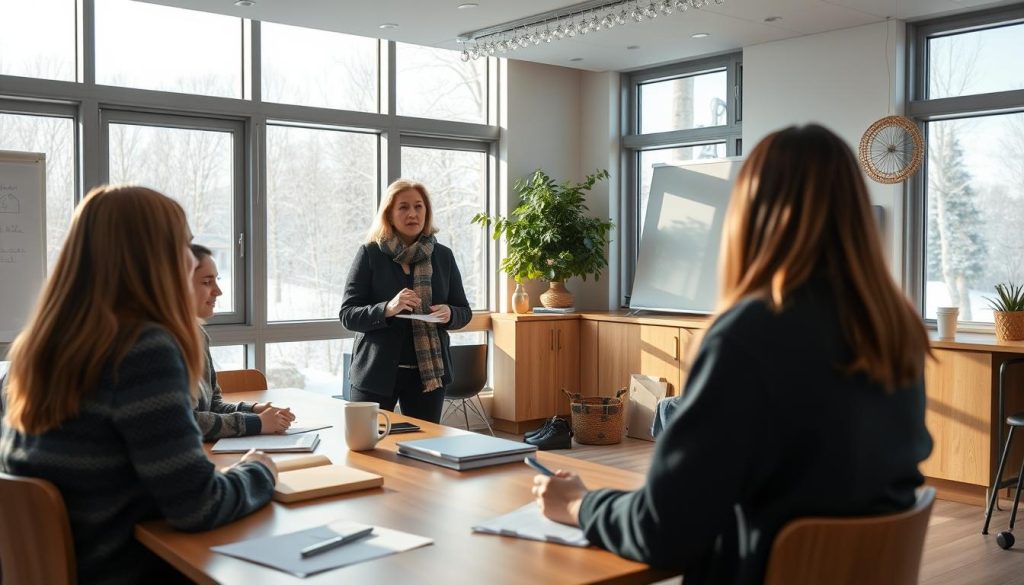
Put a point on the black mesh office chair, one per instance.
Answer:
(469, 377)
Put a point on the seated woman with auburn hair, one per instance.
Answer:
(806, 397)
(98, 395)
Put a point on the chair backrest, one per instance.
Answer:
(35, 536)
(241, 381)
(469, 371)
(881, 550)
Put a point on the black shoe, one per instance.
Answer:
(558, 436)
(541, 429)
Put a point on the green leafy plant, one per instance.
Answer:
(1011, 298)
(550, 235)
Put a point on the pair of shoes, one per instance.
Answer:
(541, 429)
(557, 436)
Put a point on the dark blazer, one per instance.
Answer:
(375, 279)
(771, 428)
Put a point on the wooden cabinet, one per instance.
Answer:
(623, 349)
(534, 359)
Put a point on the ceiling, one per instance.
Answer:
(732, 25)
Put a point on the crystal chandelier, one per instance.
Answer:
(578, 19)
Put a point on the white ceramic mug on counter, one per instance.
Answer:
(361, 432)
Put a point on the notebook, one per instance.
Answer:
(528, 522)
(303, 443)
(462, 452)
(314, 476)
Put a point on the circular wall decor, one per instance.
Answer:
(891, 149)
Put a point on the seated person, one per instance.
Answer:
(806, 397)
(97, 397)
(216, 418)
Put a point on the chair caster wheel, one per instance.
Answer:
(1005, 540)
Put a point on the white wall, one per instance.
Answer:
(838, 79)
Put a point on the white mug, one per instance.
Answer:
(945, 319)
(361, 425)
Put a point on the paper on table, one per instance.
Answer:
(528, 522)
(282, 552)
(269, 443)
(416, 317)
(297, 430)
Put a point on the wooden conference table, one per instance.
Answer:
(417, 497)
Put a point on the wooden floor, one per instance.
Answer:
(955, 551)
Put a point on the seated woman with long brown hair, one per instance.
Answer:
(806, 397)
(97, 397)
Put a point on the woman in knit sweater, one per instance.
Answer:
(215, 417)
(97, 399)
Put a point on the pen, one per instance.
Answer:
(537, 466)
(333, 543)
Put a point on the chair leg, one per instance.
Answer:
(465, 414)
(482, 414)
(449, 405)
(997, 481)
(1016, 494)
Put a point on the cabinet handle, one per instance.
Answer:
(559, 333)
(551, 335)
(677, 348)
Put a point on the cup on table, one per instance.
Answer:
(946, 318)
(361, 432)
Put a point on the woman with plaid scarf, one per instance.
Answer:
(402, 270)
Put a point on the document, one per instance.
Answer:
(416, 317)
(305, 429)
(302, 443)
(528, 522)
(284, 551)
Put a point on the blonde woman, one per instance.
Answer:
(97, 399)
(806, 397)
(402, 270)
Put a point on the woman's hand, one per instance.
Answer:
(406, 299)
(275, 420)
(560, 497)
(261, 457)
(442, 312)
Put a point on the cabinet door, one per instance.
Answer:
(535, 370)
(661, 353)
(567, 367)
(618, 351)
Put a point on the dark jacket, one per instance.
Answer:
(375, 279)
(771, 428)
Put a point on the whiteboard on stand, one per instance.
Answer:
(22, 238)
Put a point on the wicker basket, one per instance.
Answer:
(596, 420)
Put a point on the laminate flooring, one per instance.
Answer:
(955, 551)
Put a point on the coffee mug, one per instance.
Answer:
(361, 425)
(945, 319)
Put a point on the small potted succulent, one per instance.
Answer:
(1008, 311)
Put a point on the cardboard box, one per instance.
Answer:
(644, 394)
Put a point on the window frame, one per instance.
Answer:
(634, 143)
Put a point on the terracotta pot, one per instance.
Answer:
(1009, 325)
(557, 297)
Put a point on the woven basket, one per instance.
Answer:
(596, 420)
(1009, 325)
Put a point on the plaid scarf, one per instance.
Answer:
(424, 335)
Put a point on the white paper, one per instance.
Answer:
(298, 430)
(528, 522)
(282, 552)
(268, 443)
(428, 318)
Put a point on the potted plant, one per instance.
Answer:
(551, 236)
(1008, 310)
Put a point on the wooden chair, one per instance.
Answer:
(881, 550)
(35, 536)
(241, 381)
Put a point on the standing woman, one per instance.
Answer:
(98, 395)
(401, 269)
(806, 397)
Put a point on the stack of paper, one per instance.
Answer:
(303, 443)
(528, 522)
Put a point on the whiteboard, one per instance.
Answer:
(22, 237)
(677, 265)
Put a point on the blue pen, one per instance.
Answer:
(537, 466)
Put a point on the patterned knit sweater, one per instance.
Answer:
(216, 418)
(134, 453)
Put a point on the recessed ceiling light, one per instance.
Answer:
(773, 19)
(467, 5)
(700, 35)
(633, 47)
(245, 3)
(576, 59)
(388, 25)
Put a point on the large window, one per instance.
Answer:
(277, 141)
(969, 198)
(674, 114)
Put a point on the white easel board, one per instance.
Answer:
(22, 237)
